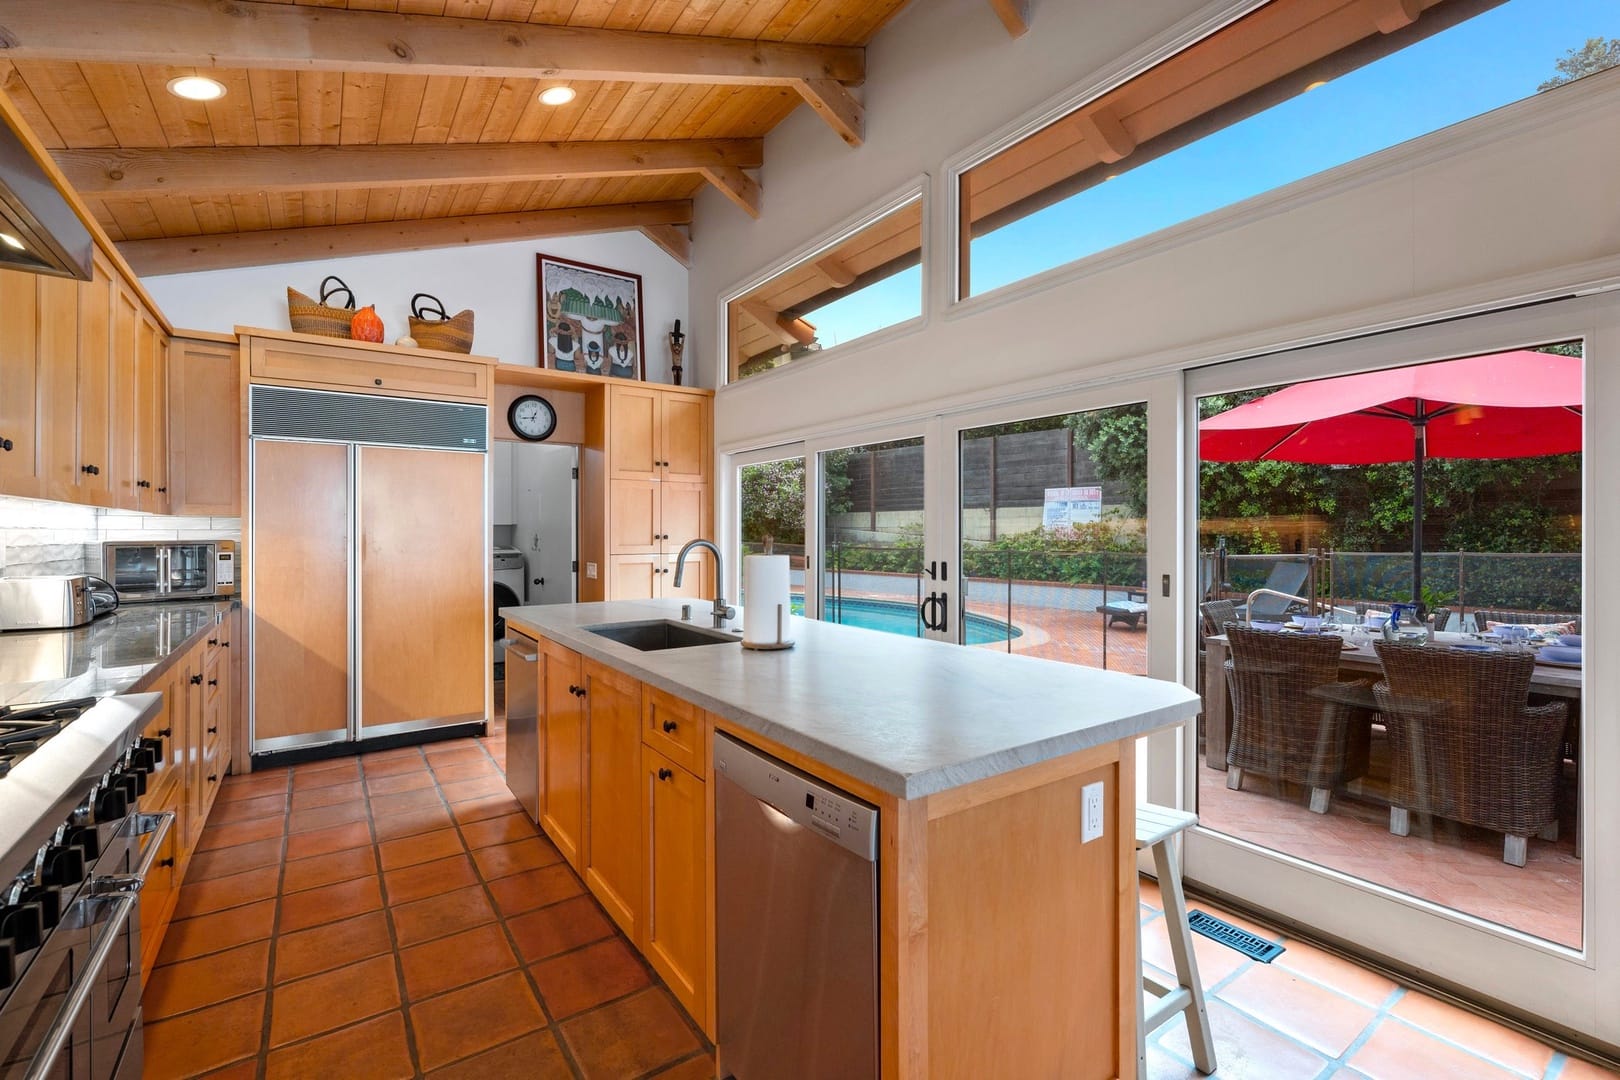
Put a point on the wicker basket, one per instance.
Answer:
(309, 316)
(433, 329)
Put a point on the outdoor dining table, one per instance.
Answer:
(1561, 682)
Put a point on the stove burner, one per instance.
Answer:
(24, 727)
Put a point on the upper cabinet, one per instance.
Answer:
(205, 426)
(659, 433)
(19, 383)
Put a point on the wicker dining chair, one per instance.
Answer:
(1466, 744)
(1292, 719)
(1216, 614)
(1484, 618)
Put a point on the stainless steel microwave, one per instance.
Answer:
(170, 569)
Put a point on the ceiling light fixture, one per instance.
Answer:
(557, 95)
(196, 88)
(13, 242)
(1316, 84)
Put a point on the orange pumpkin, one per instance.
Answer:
(367, 326)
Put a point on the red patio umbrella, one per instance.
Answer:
(1504, 405)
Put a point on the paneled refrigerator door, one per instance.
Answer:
(421, 584)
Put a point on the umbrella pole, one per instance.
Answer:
(1419, 452)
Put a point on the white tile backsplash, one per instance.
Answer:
(39, 538)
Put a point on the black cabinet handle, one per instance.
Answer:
(163, 491)
(169, 862)
(214, 730)
(213, 641)
(165, 733)
(669, 725)
(196, 680)
(224, 644)
(89, 470)
(664, 774)
(579, 691)
(213, 682)
(213, 778)
(143, 483)
(6, 444)
(376, 382)
(572, 689)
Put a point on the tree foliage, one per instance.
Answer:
(773, 503)
(1596, 55)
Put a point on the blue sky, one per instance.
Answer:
(1494, 59)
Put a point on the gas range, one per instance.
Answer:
(74, 851)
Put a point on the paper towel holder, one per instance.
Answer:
(781, 628)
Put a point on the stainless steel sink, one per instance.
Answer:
(654, 635)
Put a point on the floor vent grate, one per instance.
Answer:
(1256, 948)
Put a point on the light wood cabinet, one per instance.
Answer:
(675, 729)
(58, 342)
(152, 416)
(19, 383)
(126, 426)
(613, 845)
(562, 750)
(658, 497)
(658, 433)
(650, 577)
(92, 466)
(205, 428)
(677, 939)
(294, 360)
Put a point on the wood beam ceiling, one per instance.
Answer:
(224, 250)
(252, 34)
(676, 242)
(1014, 15)
(127, 173)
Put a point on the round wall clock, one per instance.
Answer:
(532, 418)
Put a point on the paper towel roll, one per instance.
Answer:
(765, 588)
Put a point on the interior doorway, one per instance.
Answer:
(536, 515)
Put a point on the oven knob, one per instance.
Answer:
(111, 804)
(49, 899)
(23, 926)
(88, 839)
(132, 783)
(64, 865)
(146, 756)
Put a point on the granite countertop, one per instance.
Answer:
(103, 658)
(911, 717)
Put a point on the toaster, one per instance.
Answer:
(45, 603)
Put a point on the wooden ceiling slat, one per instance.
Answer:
(286, 208)
(401, 105)
(320, 208)
(62, 92)
(512, 98)
(472, 110)
(438, 201)
(697, 16)
(438, 109)
(360, 105)
(275, 106)
(630, 105)
(757, 18)
(663, 14)
(787, 19)
(214, 215)
(552, 12)
(421, 7)
(382, 204)
(320, 108)
(121, 93)
(466, 200)
(16, 88)
(511, 10)
(185, 123)
(135, 218)
(230, 118)
(410, 204)
(351, 207)
(175, 215)
(252, 211)
(104, 218)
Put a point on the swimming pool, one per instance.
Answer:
(899, 617)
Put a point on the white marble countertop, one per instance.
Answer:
(910, 717)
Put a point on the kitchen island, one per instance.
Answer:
(1007, 946)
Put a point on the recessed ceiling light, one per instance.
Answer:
(1315, 85)
(557, 95)
(196, 88)
(13, 242)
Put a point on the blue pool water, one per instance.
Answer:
(898, 617)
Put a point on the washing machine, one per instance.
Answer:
(510, 571)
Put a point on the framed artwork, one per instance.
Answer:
(590, 319)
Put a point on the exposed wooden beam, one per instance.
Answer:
(836, 105)
(1014, 15)
(676, 242)
(1392, 15)
(787, 331)
(251, 34)
(1106, 136)
(115, 172)
(215, 252)
(736, 185)
(834, 269)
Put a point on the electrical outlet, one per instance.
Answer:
(590, 570)
(1091, 812)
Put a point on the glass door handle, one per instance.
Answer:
(939, 571)
(936, 612)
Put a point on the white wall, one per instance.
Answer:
(496, 280)
(1514, 202)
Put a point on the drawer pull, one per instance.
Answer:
(669, 725)
(664, 774)
(376, 382)
(214, 730)
(213, 641)
(6, 445)
(169, 862)
(196, 680)
(213, 778)
(213, 682)
(89, 470)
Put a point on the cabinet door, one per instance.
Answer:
(633, 517)
(677, 887)
(634, 449)
(19, 383)
(613, 800)
(562, 732)
(684, 441)
(636, 577)
(194, 776)
(126, 417)
(148, 378)
(95, 428)
(299, 599)
(684, 513)
(58, 323)
(424, 560)
(698, 581)
(158, 432)
(205, 428)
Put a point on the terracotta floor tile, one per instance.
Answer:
(322, 773)
(191, 938)
(488, 806)
(307, 845)
(242, 1070)
(322, 948)
(313, 907)
(321, 870)
(503, 860)
(325, 817)
(500, 830)
(394, 783)
(1397, 1051)
(196, 1042)
(535, 1056)
(249, 809)
(374, 1050)
(1488, 1039)
(629, 1037)
(333, 1000)
(329, 795)
(457, 771)
(1150, 894)
(466, 1021)
(454, 752)
(1321, 1019)
(429, 879)
(585, 978)
(1358, 982)
(400, 802)
(218, 834)
(424, 847)
(558, 928)
(437, 916)
(411, 822)
(466, 790)
(393, 762)
(697, 1068)
(255, 785)
(223, 862)
(227, 892)
(208, 980)
(535, 888)
(456, 960)
(1244, 1050)
(1576, 1069)
(1215, 961)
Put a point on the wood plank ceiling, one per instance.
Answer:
(170, 181)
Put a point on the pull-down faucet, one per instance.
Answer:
(721, 611)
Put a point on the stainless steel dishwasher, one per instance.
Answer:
(795, 922)
(523, 722)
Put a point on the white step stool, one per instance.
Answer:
(1155, 825)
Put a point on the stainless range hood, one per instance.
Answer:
(39, 232)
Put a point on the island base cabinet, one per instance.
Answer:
(613, 844)
(676, 923)
(562, 750)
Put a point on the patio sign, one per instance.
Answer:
(590, 319)
(1069, 506)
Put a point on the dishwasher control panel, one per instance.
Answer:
(837, 815)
